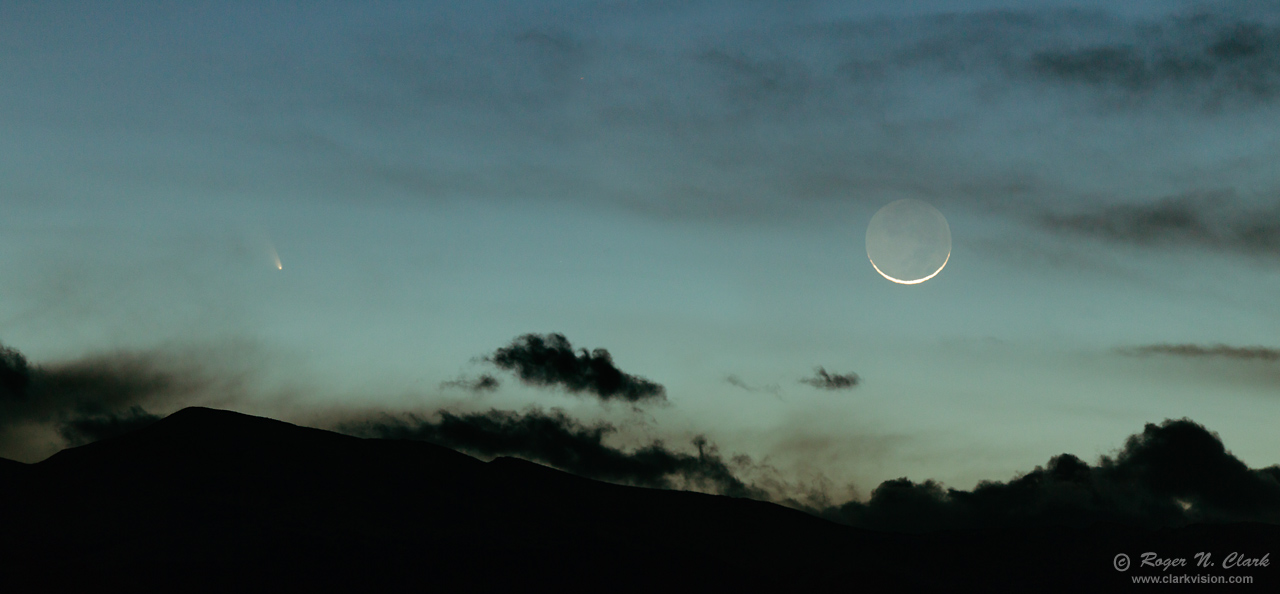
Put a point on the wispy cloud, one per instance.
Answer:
(1257, 353)
(1209, 220)
(831, 381)
(1171, 474)
(694, 115)
(556, 439)
(737, 382)
(1213, 60)
(483, 383)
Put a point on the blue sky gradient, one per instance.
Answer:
(685, 184)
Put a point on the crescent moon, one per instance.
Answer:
(911, 282)
(908, 242)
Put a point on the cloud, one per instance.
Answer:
(550, 361)
(751, 86)
(1171, 474)
(15, 374)
(1206, 219)
(675, 110)
(94, 427)
(1209, 58)
(755, 116)
(828, 381)
(1217, 350)
(483, 383)
(100, 395)
(777, 118)
(555, 439)
(1175, 219)
(737, 382)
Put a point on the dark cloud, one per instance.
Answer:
(15, 374)
(1208, 220)
(737, 382)
(752, 86)
(93, 397)
(483, 383)
(551, 361)
(1217, 350)
(1175, 219)
(829, 381)
(80, 430)
(1171, 474)
(1117, 65)
(555, 439)
(1209, 62)
(673, 112)
(725, 122)
(1216, 59)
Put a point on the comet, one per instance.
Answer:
(275, 257)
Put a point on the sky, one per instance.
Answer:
(686, 185)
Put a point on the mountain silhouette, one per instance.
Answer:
(216, 500)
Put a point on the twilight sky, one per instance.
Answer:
(685, 184)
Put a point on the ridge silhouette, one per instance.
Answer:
(208, 499)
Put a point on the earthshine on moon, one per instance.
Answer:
(908, 241)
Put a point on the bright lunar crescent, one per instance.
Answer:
(908, 241)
